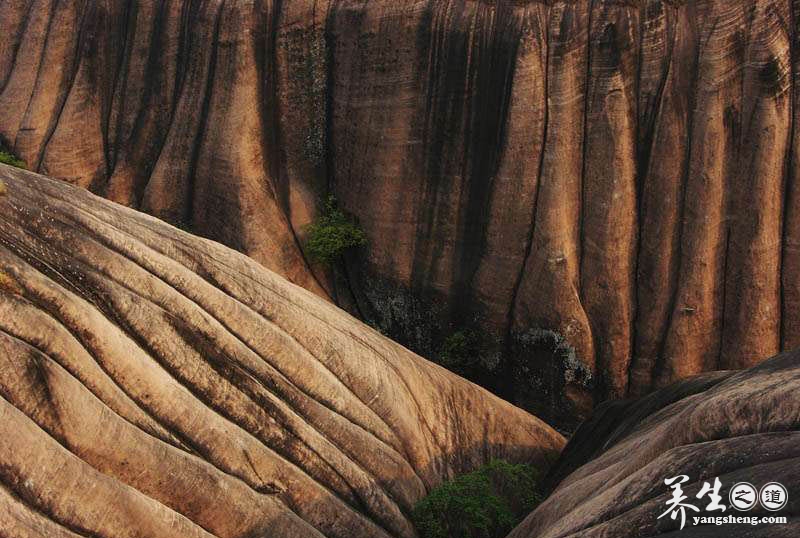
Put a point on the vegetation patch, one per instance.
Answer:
(8, 157)
(332, 234)
(469, 353)
(486, 503)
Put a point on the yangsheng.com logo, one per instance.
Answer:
(743, 496)
(739, 520)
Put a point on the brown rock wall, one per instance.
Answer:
(619, 173)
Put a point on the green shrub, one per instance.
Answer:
(332, 234)
(459, 348)
(469, 352)
(486, 503)
(6, 157)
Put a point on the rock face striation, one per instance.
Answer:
(738, 427)
(617, 175)
(155, 384)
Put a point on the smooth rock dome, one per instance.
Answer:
(153, 383)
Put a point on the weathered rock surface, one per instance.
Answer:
(153, 383)
(621, 173)
(739, 427)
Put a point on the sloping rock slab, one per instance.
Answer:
(154, 384)
(738, 427)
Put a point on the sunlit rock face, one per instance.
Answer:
(731, 426)
(155, 384)
(620, 174)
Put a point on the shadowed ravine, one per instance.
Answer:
(621, 173)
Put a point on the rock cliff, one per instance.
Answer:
(738, 427)
(617, 175)
(155, 384)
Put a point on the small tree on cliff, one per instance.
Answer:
(332, 234)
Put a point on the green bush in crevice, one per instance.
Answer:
(332, 234)
(469, 352)
(486, 503)
(7, 157)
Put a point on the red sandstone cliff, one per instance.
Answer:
(622, 173)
